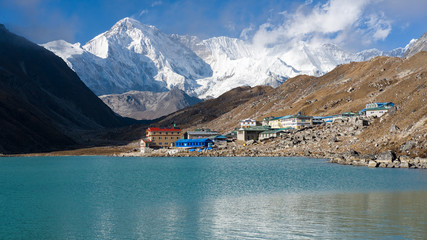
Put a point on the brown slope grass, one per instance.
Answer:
(350, 87)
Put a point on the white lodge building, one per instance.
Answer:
(248, 122)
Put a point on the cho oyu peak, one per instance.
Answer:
(135, 56)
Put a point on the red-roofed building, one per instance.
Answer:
(163, 137)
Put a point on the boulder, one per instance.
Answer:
(386, 157)
(390, 165)
(404, 165)
(372, 164)
(404, 158)
(382, 165)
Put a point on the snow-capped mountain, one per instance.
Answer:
(416, 46)
(237, 63)
(134, 56)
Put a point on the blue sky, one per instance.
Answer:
(352, 24)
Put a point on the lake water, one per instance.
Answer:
(208, 198)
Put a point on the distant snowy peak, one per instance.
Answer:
(416, 46)
(134, 56)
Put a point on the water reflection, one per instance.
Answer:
(330, 216)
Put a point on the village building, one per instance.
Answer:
(194, 143)
(266, 121)
(342, 116)
(248, 122)
(252, 133)
(218, 138)
(297, 121)
(274, 122)
(200, 133)
(163, 137)
(231, 136)
(319, 120)
(273, 133)
(377, 112)
(144, 145)
(376, 109)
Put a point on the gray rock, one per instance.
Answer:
(404, 165)
(404, 158)
(390, 165)
(382, 165)
(372, 164)
(408, 146)
(386, 157)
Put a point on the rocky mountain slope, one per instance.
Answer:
(348, 87)
(211, 109)
(43, 103)
(148, 105)
(134, 56)
(415, 47)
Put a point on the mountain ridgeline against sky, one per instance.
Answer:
(43, 103)
(134, 56)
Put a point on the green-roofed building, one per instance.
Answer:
(273, 133)
(251, 133)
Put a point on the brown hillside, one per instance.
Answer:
(209, 110)
(349, 88)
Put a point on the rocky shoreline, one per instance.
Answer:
(384, 160)
(333, 141)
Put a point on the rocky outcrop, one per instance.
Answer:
(142, 105)
(386, 159)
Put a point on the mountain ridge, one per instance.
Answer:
(204, 68)
(148, 105)
(43, 103)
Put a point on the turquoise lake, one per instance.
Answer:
(208, 198)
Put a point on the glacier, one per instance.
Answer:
(134, 56)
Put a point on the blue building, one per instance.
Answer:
(194, 143)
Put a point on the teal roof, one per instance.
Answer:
(275, 130)
(255, 128)
(375, 109)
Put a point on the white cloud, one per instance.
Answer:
(246, 31)
(379, 26)
(342, 22)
